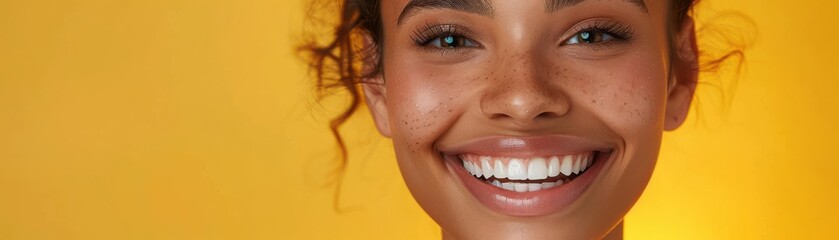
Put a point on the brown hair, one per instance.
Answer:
(338, 64)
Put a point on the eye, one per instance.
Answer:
(452, 41)
(444, 37)
(590, 37)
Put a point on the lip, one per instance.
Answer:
(532, 146)
(535, 203)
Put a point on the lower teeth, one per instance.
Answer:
(525, 187)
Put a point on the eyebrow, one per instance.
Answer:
(554, 5)
(480, 7)
(484, 7)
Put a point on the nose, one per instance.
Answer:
(524, 97)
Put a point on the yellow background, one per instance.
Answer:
(178, 119)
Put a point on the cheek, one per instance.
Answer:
(420, 104)
(629, 98)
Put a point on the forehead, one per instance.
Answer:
(403, 9)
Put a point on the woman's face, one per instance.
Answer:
(527, 119)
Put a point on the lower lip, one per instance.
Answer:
(538, 203)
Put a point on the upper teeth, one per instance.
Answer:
(537, 168)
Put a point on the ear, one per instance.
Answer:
(374, 88)
(683, 76)
(375, 94)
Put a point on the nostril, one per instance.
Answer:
(499, 116)
(524, 116)
(547, 115)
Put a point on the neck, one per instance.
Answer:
(616, 233)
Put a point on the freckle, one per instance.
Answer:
(450, 110)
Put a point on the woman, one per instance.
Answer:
(519, 119)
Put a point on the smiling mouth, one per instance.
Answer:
(528, 174)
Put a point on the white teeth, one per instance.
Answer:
(536, 169)
(499, 170)
(565, 168)
(546, 185)
(520, 187)
(584, 165)
(487, 169)
(526, 187)
(553, 166)
(476, 170)
(508, 186)
(516, 170)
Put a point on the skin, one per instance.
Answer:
(522, 81)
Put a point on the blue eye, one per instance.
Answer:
(452, 41)
(590, 37)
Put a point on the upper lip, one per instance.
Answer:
(529, 146)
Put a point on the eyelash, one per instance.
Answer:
(621, 32)
(424, 35)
